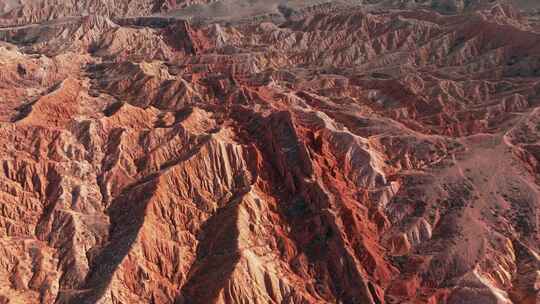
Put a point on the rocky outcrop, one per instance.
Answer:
(286, 153)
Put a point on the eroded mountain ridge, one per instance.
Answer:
(330, 153)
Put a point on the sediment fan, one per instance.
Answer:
(269, 152)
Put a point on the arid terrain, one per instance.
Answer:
(291, 152)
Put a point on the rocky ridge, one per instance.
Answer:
(335, 154)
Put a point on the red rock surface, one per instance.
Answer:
(378, 153)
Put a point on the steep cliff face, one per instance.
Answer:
(330, 153)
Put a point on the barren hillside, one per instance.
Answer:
(293, 152)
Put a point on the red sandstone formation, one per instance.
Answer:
(375, 152)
